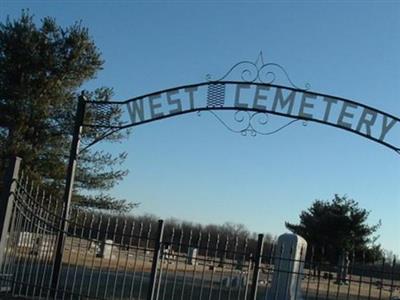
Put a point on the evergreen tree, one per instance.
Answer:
(337, 225)
(41, 69)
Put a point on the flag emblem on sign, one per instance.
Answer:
(216, 95)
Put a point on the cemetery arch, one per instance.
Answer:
(255, 95)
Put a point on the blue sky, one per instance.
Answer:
(191, 167)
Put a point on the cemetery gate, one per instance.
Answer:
(51, 249)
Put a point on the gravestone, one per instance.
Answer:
(105, 249)
(26, 239)
(239, 263)
(91, 245)
(239, 280)
(226, 282)
(192, 255)
(288, 268)
(168, 253)
(45, 248)
(40, 245)
(343, 267)
(234, 281)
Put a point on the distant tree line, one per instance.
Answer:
(227, 240)
(330, 228)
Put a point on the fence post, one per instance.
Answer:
(7, 201)
(69, 183)
(156, 256)
(256, 270)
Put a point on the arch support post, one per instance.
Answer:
(69, 183)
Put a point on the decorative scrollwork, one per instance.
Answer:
(249, 123)
(258, 71)
(248, 72)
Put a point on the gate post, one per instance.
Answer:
(6, 204)
(256, 270)
(69, 183)
(156, 256)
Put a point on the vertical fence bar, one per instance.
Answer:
(189, 244)
(19, 221)
(73, 157)
(119, 248)
(145, 251)
(139, 236)
(156, 256)
(171, 242)
(246, 279)
(195, 263)
(214, 259)
(392, 288)
(256, 270)
(180, 239)
(222, 263)
(206, 261)
(128, 247)
(6, 209)
(6, 204)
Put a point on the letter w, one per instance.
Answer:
(135, 109)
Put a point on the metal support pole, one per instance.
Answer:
(256, 270)
(156, 256)
(80, 113)
(7, 202)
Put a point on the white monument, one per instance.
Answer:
(26, 239)
(288, 268)
(45, 248)
(105, 249)
(168, 253)
(192, 255)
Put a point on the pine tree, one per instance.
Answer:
(41, 69)
(337, 225)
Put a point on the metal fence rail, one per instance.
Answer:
(114, 257)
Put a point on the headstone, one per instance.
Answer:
(288, 268)
(91, 245)
(239, 281)
(226, 281)
(234, 281)
(240, 262)
(105, 249)
(43, 245)
(168, 253)
(192, 255)
(26, 239)
(343, 267)
(221, 263)
(36, 246)
(45, 248)
(6, 282)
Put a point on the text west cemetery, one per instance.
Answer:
(261, 98)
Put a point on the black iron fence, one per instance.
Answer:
(113, 257)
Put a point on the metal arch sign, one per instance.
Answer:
(257, 93)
